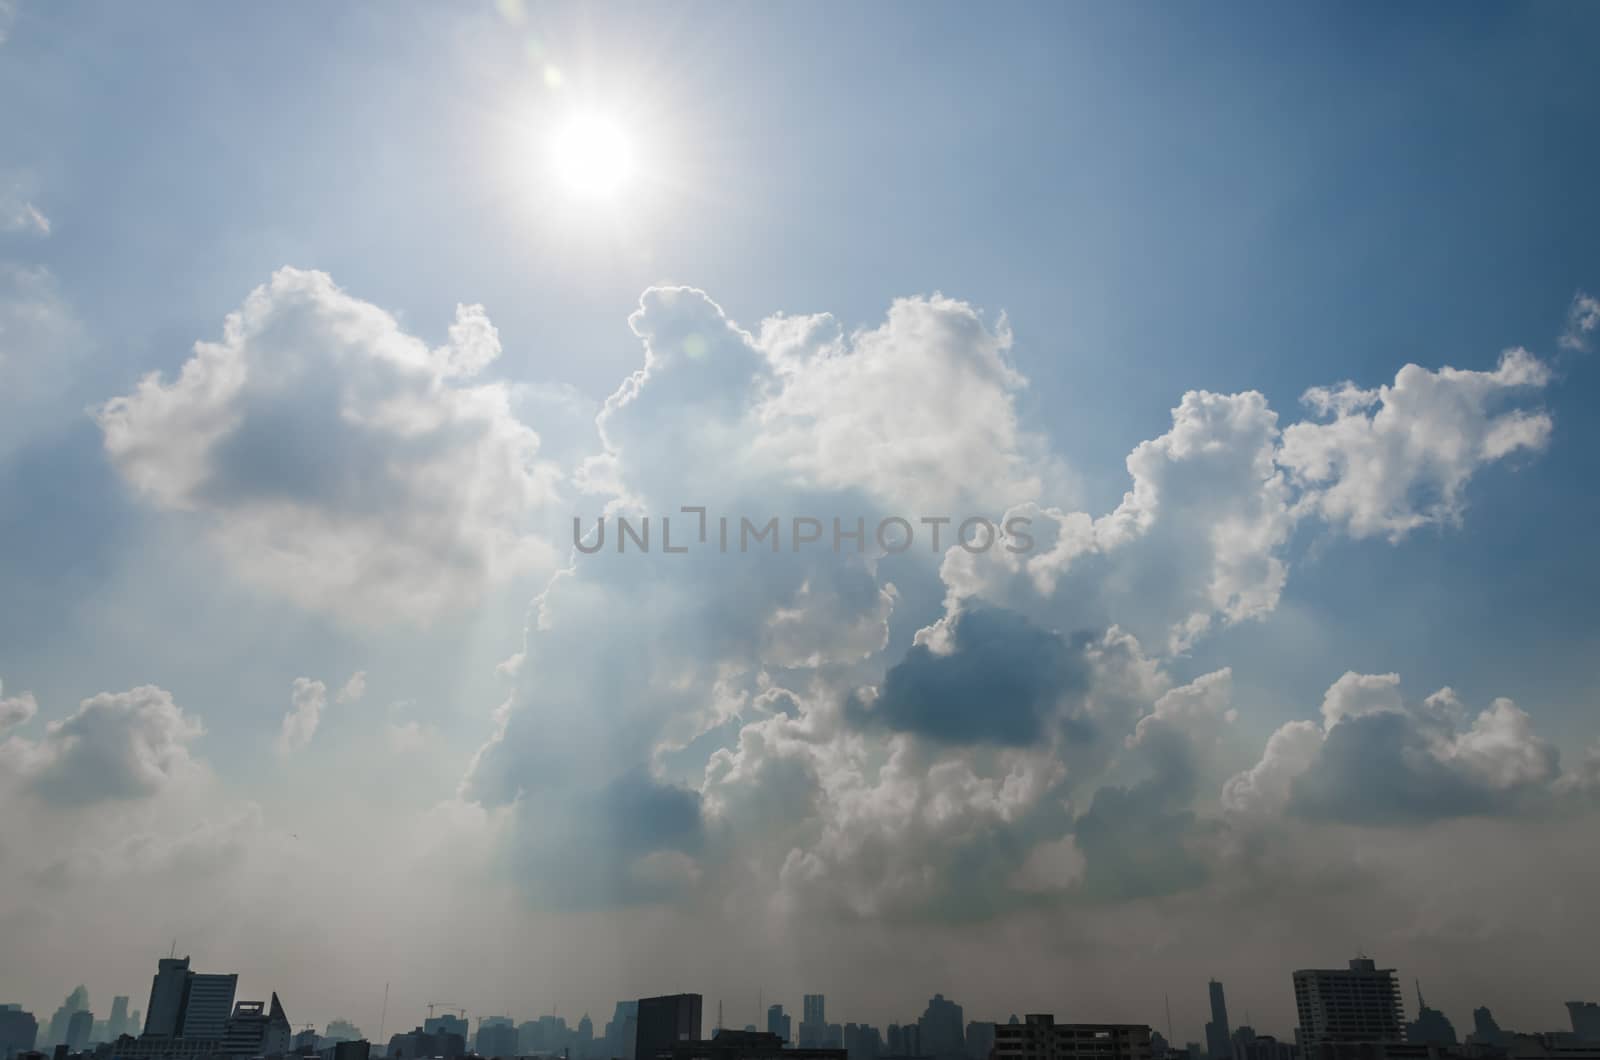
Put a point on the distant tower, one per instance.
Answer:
(1219, 1043)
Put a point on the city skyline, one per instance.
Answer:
(1156, 445)
(815, 1020)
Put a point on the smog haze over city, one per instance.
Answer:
(1040, 507)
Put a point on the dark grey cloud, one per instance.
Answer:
(1379, 769)
(1001, 683)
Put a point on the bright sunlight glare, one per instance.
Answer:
(592, 155)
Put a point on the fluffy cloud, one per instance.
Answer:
(354, 689)
(1378, 760)
(17, 211)
(1023, 745)
(116, 746)
(337, 459)
(1583, 318)
(1196, 538)
(307, 699)
(1395, 458)
(16, 710)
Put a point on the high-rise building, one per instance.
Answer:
(1219, 1038)
(77, 1001)
(1485, 1031)
(980, 1039)
(117, 1025)
(255, 1029)
(1040, 1037)
(19, 1031)
(164, 1014)
(943, 1027)
(78, 1028)
(1430, 1027)
(1585, 1016)
(446, 1024)
(664, 1021)
(777, 1022)
(813, 1021)
(497, 1037)
(207, 1004)
(1356, 1004)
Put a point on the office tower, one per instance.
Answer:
(943, 1029)
(622, 1031)
(497, 1036)
(19, 1031)
(77, 1001)
(447, 1024)
(164, 1014)
(1430, 1027)
(117, 1025)
(813, 1021)
(777, 1022)
(256, 1029)
(1040, 1037)
(1356, 1004)
(207, 1003)
(980, 1039)
(1219, 1043)
(342, 1031)
(663, 1021)
(1585, 1016)
(78, 1028)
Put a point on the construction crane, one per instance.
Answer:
(447, 1006)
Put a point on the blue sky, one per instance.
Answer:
(1158, 200)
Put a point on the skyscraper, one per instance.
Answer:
(813, 1021)
(1358, 1004)
(118, 1023)
(207, 1003)
(664, 1021)
(1430, 1027)
(943, 1027)
(777, 1021)
(19, 1031)
(77, 1001)
(1585, 1016)
(164, 1014)
(1219, 1037)
(78, 1028)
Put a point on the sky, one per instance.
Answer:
(319, 328)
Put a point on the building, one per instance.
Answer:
(118, 1024)
(19, 1031)
(497, 1036)
(164, 1014)
(1356, 1004)
(419, 1043)
(1431, 1027)
(77, 1001)
(79, 1026)
(207, 1004)
(346, 1049)
(778, 1022)
(447, 1024)
(739, 1045)
(813, 1021)
(980, 1039)
(1585, 1017)
(1265, 1047)
(256, 1029)
(1040, 1037)
(664, 1021)
(1219, 1038)
(943, 1027)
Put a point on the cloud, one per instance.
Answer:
(1397, 458)
(17, 213)
(997, 679)
(339, 461)
(353, 689)
(16, 711)
(1583, 318)
(116, 746)
(308, 698)
(1377, 760)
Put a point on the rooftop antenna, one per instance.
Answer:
(384, 1017)
(1168, 999)
(719, 1016)
(174, 952)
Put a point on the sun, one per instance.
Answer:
(592, 155)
